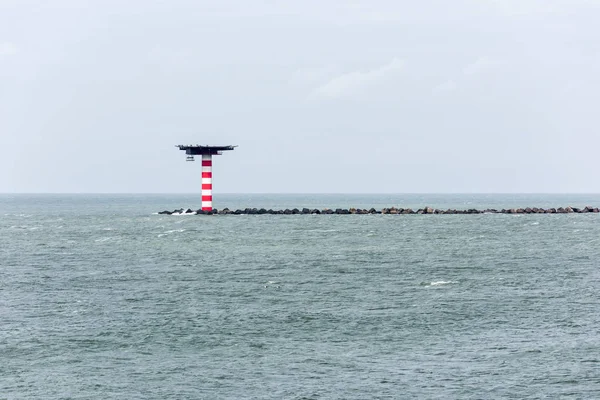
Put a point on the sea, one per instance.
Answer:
(102, 298)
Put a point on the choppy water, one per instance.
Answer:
(101, 299)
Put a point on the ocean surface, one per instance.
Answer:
(100, 298)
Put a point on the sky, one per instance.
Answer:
(321, 96)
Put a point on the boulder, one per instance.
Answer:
(305, 211)
(166, 212)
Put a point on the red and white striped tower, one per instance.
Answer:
(207, 182)
(206, 152)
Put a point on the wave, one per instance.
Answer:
(165, 233)
(175, 230)
(438, 283)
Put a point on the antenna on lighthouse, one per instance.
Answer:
(206, 152)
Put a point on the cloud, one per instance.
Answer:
(512, 8)
(481, 64)
(350, 82)
(7, 49)
(447, 86)
(312, 75)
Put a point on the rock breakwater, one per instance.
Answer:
(390, 210)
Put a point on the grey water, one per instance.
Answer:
(100, 298)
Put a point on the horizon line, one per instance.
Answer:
(302, 193)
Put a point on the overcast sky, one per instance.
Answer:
(364, 96)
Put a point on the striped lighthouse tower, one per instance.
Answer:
(206, 152)
(207, 182)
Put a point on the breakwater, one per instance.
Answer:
(390, 210)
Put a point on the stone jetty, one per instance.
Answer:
(391, 210)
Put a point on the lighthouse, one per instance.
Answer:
(206, 152)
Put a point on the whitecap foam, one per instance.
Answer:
(175, 230)
(439, 283)
(166, 233)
